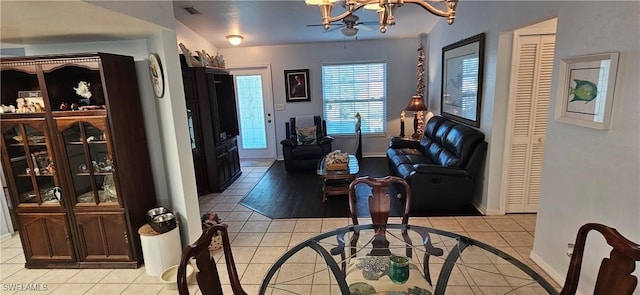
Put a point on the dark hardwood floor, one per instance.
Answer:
(299, 195)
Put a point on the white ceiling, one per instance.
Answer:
(261, 22)
(69, 21)
(285, 22)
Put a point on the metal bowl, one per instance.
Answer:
(163, 223)
(155, 212)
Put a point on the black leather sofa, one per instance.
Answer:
(444, 169)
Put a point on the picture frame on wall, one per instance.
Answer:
(585, 90)
(461, 89)
(297, 85)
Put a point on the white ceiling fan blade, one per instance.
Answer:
(333, 28)
(366, 27)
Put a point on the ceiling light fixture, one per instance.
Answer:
(386, 10)
(234, 39)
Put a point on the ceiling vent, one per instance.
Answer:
(192, 10)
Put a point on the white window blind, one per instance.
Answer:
(349, 89)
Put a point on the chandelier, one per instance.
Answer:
(386, 10)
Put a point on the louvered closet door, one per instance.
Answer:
(527, 121)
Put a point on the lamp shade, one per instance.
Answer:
(416, 104)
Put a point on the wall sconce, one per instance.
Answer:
(234, 39)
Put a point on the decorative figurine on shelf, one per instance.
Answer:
(189, 58)
(218, 61)
(84, 90)
(31, 107)
(21, 104)
(204, 61)
(7, 109)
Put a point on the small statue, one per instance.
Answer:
(7, 109)
(21, 104)
(31, 107)
(83, 89)
(191, 60)
(220, 59)
(210, 61)
(39, 107)
(204, 61)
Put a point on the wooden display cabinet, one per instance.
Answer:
(77, 167)
(213, 127)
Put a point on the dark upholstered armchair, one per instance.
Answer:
(300, 149)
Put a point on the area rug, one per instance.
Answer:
(299, 195)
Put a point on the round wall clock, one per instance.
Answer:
(157, 76)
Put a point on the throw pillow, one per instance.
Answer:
(306, 136)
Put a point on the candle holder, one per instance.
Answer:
(402, 124)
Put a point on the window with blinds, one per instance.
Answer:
(348, 89)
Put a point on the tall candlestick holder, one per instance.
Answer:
(402, 114)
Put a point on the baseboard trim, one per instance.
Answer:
(5, 237)
(557, 277)
(494, 212)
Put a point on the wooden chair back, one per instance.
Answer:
(379, 207)
(614, 275)
(379, 200)
(207, 277)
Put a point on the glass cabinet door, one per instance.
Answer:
(30, 166)
(90, 161)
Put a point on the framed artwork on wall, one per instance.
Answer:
(585, 90)
(462, 68)
(296, 83)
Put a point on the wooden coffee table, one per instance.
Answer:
(336, 182)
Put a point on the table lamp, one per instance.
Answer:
(416, 104)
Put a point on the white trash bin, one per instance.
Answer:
(159, 251)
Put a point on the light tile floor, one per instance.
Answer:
(257, 242)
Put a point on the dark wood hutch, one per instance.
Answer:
(213, 127)
(77, 167)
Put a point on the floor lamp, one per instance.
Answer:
(416, 104)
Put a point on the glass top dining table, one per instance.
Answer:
(445, 262)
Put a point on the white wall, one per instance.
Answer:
(173, 140)
(588, 175)
(401, 58)
(192, 40)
